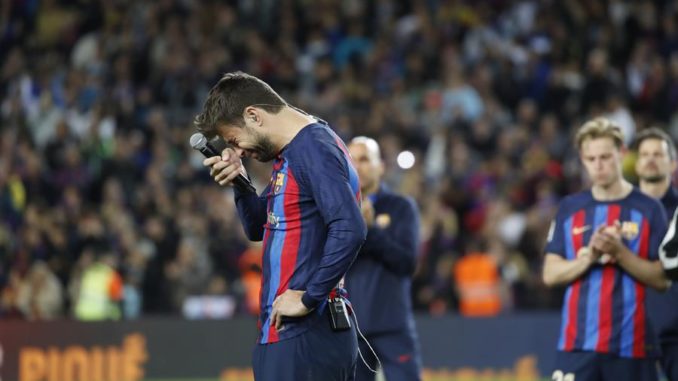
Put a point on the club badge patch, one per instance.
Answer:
(279, 181)
(629, 230)
(383, 220)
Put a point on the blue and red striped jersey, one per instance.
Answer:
(310, 222)
(604, 309)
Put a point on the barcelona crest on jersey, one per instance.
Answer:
(629, 230)
(279, 181)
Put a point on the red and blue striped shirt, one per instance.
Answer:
(310, 222)
(604, 309)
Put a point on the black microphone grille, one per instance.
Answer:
(198, 141)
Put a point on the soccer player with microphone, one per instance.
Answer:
(308, 218)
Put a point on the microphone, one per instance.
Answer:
(199, 142)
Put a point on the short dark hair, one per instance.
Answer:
(654, 133)
(228, 99)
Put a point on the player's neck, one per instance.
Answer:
(615, 191)
(655, 189)
(288, 123)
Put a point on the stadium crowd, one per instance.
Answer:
(97, 100)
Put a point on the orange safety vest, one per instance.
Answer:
(477, 279)
(250, 269)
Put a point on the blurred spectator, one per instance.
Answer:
(40, 295)
(96, 104)
(477, 279)
(189, 273)
(9, 301)
(250, 267)
(100, 288)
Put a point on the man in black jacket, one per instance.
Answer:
(655, 166)
(379, 280)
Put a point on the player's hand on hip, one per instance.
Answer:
(288, 304)
(224, 168)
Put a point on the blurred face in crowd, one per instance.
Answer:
(366, 160)
(602, 160)
(654, 162)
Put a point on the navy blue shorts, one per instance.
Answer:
(592, 366)
(670, 360)
(398, 353)
(318, 354)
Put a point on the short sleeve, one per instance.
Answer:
(555, 240)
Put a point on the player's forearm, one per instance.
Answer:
(559, 271)
(647, 272)
(396, 246)
(343, 242)
(252, 212)
(399, 257)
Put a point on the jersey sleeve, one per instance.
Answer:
(325, 171)
(396, 246)
(252, 212)
(555, 241)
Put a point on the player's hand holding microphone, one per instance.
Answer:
(225, 165)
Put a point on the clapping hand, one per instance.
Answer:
(607, 241)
